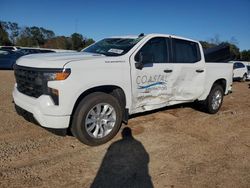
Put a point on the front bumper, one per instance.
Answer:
(39, 108)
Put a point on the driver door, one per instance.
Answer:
(150, 83)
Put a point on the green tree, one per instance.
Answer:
(234, 50)
(11, 33)
(47, 34)
(245, 55)
(88, 42)
(60, 42)
(37, 35)
(26, 38)
(4, 38)
(26, 42)
(14, 30)
(77, 41)
(4, 25)
(207, 45)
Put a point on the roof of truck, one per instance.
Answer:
(152, 35)
(125, 36)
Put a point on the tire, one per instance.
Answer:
(214, 99)
(97, 119)
(244, 78)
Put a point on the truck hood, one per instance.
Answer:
(54, 60)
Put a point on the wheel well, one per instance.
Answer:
(221, 82)
(116, 91)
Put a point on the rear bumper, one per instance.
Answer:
(230, 89)
(37, 107)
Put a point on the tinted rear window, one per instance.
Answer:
(186, 51)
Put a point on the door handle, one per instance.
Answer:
(168, 70)
(199, 70)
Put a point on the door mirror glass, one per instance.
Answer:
(143, 59)
(139, 61)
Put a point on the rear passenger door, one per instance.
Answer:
(188, 75)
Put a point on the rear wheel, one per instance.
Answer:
(214, 99)
(97, 119)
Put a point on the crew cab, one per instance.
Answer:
(93, 91)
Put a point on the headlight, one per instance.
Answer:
(56, 75)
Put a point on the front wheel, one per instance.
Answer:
(97, 119)
(244, 78)
(214, 99)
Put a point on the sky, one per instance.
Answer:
(228, 20)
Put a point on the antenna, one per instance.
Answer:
(76, 24)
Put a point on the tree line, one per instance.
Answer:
(12, 34)
(234, 50)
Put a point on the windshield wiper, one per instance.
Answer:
(95, 53)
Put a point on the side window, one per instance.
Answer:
(186, 51)
(238, 65)
(4, 53)
(154, 51)
(235, 66)
(241, 65)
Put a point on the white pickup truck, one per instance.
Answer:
(92, 92)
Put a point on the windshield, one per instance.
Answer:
(248, 67)
(113, 46)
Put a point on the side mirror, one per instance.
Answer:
(142, 59)
(139, 65)
(139, 61)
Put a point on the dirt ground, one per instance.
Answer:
(173, 147)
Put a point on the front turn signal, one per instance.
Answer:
(62, 75)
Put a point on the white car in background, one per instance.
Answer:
(240, 71)
(248, 72)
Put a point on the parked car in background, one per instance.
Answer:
(27, 51)
(240, 71)
(8, 58)
(9, 54)
(248, 72)
(13, 48)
